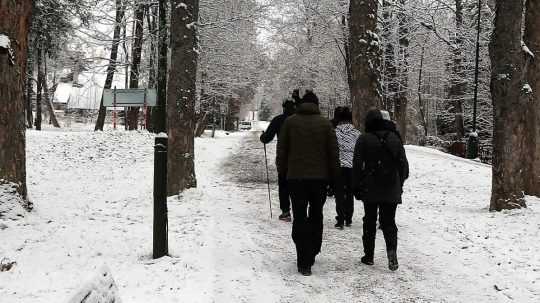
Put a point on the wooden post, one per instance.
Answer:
(145, 110)
(114, 108)
(160, 241)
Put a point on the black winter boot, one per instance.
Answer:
(305, 271)
(368, 260)
(392, 260)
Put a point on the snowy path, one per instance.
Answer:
(93, 199)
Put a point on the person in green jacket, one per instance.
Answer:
(308, 155)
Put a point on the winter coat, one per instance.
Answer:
(274, 128)
(366, 155)
(346, 135)
(307, 146)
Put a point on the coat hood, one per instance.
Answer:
(308, 109)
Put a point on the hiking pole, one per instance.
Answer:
(268, 180)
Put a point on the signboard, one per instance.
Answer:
(129, 97)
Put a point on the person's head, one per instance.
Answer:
(310, 97)
(337, 112)
(373, 119)
(288, 106)
(345, 115)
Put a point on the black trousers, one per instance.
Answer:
(308, 198)
(284, 200)
(344, 196)
(388, 226)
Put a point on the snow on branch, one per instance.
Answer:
(526, 50)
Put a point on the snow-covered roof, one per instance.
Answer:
(86, 94)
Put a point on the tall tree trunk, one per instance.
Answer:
(508, 73)
(14, 27)
(48, 101)
(152, 26)
(159, 114)
(100, 122)
(389, 70)
(532, 40)
(452, 119)
(136, 49)
(29, 88)
(401, 100)
(365, 58)
(181, 95)
(39, 90)
(347, 48)
(421, 102)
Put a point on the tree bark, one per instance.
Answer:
(111, 68)
(14, 26)
(532, 40)
(401, 100)
(136, 49)
(159, 113)
(508, 73)
(181, 95)
(365, 59)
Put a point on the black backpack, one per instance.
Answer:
(384, 167)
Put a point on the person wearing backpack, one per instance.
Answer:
(380, 168)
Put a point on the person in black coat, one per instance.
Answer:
(267, 136)
(380, 168)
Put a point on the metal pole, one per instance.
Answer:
(160, 240)
(268, 181)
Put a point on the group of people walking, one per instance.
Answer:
(316, 157)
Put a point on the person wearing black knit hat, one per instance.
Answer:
(309, 156)
(267, 136)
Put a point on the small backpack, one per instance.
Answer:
(384, 167)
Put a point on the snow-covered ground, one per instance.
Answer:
(92, 195)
